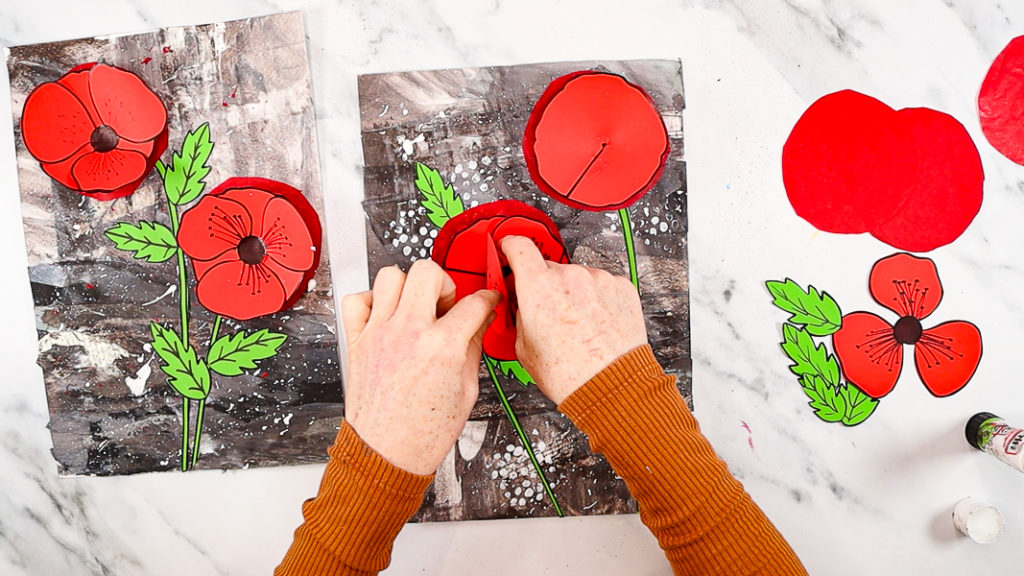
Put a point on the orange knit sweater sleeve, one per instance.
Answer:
(634, 415)
(705, 522)
(350, 526)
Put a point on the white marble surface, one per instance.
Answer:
(871, 500)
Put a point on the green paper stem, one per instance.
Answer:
(202, 403)
(490, 362)
(627, 232)
(184, 433)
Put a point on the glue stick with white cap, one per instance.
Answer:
(989, 433)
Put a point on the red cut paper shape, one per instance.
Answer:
(97, 130)
(870, 348)
(254, 245)
(595, 141)
(912, 178)
(1001, 102)
(466, 247)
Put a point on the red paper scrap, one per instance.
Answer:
(1001, 102)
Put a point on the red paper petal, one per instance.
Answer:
(126, 104)
(906, 284)
(77, 81)
(54, 124)
(463, 248)
(500, 337)
(61, 171)
(214, 226)
(286, 237)
(868, 353)
(848, 163)
(595, 141)
(947, 193)
(947, 356)
(241, 291)
(1001, 102)
(108, 171)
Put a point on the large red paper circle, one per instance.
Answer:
(847, 163)
(462, 247)
(1001, 102)
(595, 141)
(946, 195)
(912, 178)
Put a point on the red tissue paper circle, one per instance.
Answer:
(1001, 102)
(465, 245)
(97, 130)
(595, 141)
(254, 245)
(912, 178)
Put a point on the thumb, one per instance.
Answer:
(470, 315)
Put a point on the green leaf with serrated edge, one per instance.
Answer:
(231, 355)
(160, 169)
(816, 310)
(183, 179)
(437, 197)
(150, 241)
(513, 369)
(825, 400)
(187, 374)
(858, 405)
(807, 357)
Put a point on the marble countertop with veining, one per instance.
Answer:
(875, 499)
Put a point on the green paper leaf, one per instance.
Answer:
(150, 241)
(231, 355)
(827, 403)
(815, 310)
(183, 179)
(808, 358)
(858, 405)
(437, 197)
(187, 374)
(513, 369)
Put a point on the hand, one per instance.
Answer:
(413, 360)
(572, 322)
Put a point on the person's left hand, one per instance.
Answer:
(413, 360)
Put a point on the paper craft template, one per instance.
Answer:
(912, 178)
(172, 205)
(457, 159)
(1001, 102)
(870, 348)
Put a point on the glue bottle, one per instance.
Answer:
(989, 433)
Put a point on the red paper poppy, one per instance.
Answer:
(466, 247)
(870, 350)
(254, 245)
(595, 141)
(97, 130)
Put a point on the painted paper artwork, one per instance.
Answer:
(454, 161)
(868, 350)
(172, 210)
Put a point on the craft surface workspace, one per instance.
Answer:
(818, 202)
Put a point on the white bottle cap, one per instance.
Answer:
(978, 520)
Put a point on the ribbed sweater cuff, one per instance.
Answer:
(633, 413)
(351, 524)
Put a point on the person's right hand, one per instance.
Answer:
(573, 321)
